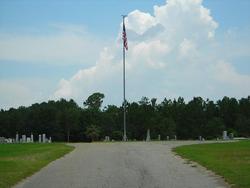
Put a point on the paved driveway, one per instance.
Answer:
(118, 165)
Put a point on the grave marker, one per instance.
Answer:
(44, 138)
(17, 138)
(23, 138)
(31, 138)
(148, 136)
(224, 135)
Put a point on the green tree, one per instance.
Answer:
(94, 101)
(93, 132)
(213, 128)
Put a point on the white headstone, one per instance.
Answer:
(200, 138)
(44, 138)
(17, 138)
(224, 135)
(107, 139)
(167, 137)
(24, 138)
(231, 136)
(159, 137)
(8, 140)
(28, 140)
(31, 138)
(175, 137)
(148, 135)
(2, 140)
(50, 140)
(39, 138)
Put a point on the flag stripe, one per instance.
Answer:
(124, 37)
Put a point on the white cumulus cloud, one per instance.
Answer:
(171, 53)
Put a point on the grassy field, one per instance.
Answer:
(229, 160)
(18, 161)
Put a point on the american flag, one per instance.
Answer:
(124, 37)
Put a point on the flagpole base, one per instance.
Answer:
(125, 138)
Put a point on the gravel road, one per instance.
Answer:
(118, 165)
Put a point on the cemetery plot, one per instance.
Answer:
(18, 161)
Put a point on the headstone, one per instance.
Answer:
(44, 138)
(23, 138)
(167, 137)
(175, 137)
(31, 138)
(159, 137)
(50, 140)
(7, 140)
(224, 135)
(28, 140)
(17, 138)
(148, 135)
(231, 136)
(10, 140)
(107, 138)
(200, 138)
(39, 138)
(2, 140)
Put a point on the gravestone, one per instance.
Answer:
(224, 135)
(231, 136)
(167, 137)
(23, 138)
(50, 140)
(39, 138)
(2, 140)
(148, 136)
(17, 138)
(28, 140)
(200, 138)
(159, 137)
(107, 139)
(44, 138)
(31, 138)
(175, 137)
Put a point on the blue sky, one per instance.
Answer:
(30, 22)
(103, 17)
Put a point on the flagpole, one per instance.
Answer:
(124, 91)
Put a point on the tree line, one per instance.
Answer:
(64, 120)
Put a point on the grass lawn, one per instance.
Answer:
(229, 160)
(18, 161)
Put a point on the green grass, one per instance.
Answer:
(229, 160)
(18, 161)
